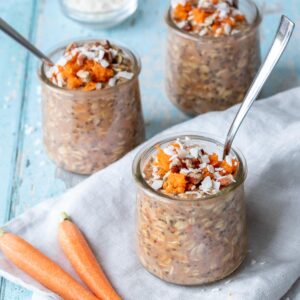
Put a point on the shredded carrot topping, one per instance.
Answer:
(182, 167)
(96, 72)
(175, 184)
(181, 12)
(163, 162)
(225, 17)
(91, 66)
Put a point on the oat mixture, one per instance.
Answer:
(208, 17)
(91, 66)
(212, 68)
(189, 239)
(185, 169)
(95, 117)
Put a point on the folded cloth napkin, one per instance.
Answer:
(104, 208)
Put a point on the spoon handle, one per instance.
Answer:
(280, 42)
(24, 42)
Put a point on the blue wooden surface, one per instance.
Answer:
(27, 175)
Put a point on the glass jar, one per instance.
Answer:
(84, 131)
(212, 73)
(103, 13)
(190, 241)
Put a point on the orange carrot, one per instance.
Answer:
(175, 183)
(41, 268)
(83, 260)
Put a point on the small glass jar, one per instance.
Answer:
(190, 241)
(212, 73)
(84, 131)
(102, 13)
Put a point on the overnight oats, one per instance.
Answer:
(191, 223)
(91, 105)
(213, 53)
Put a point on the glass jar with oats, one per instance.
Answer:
(191, 223)
(91, 105)
(213, 53)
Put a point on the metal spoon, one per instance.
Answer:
(24, 42)
(280, 42)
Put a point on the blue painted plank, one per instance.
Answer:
(287, 73)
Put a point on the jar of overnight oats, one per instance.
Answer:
(213, 53)
(191, 224)
(91, 105)
(102, 13)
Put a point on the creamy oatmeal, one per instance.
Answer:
(213, 53)
(91, 105)
(191, 226)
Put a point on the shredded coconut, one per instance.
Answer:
(93, 6)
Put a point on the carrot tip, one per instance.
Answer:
(2, 232)
(65, 217)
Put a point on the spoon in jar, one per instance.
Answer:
(280, 42)
(10, 31)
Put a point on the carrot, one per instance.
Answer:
(83, 260)
(41, 268)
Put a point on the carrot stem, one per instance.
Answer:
(2, 232)
(65, 217)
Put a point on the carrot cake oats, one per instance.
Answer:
(213, 53)
(191, 226)
(91, 105)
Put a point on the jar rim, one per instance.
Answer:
(44, 79)
(141, 182)
(240, 35)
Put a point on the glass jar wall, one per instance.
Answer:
(190, 241)
(84, 131)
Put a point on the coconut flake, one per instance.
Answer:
(203, 32)
(203, 165)
(206, 184)
(104, 63)
(157, 184)
(228, 159)
(182, 153)
(125, 74)
(216, 185)
(169, 151)
(210, 169)
(98, 86)
(195, 152)
(112, 81)
(83, 74)
(184, 171)
(227, 29)
(205, 159)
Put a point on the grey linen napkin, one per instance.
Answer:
(104, 208)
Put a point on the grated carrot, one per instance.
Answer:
(181, 12)
(175, 184)
(200, 15)
(163, 162)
